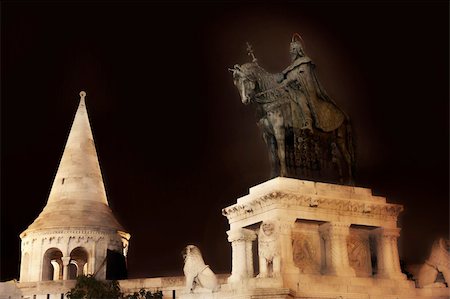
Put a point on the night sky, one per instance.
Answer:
(174, 141)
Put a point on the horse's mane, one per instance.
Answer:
(257, 74)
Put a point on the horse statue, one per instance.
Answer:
(293, 150)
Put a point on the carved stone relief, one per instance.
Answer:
(306, 248)
(359, 252)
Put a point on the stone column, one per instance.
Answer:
(56, 269)
(287, 252)
(92, 259)
(66, 262)
(388, 262)
(85, 269)
(336, 254)
(242, 256)
(249, 258)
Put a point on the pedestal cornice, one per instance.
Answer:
(287, 200)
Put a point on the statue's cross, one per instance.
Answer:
(250, 52)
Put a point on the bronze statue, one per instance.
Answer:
(306, 132)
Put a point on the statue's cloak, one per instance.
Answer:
(327, 115)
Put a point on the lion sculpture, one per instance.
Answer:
(439, 261)
(197, 272)
(268, 250)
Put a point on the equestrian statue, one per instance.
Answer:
(308, 136)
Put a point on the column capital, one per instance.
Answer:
(241, 234)
(65, 260)
(387, 232)
(285, 226)
(335, 228)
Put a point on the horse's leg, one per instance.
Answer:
(273, 156)
(277, 121)
(270, 141)
(341, 142)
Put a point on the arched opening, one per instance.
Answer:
(78, 262)
(52, 266)
(24, 267)
(73, 270)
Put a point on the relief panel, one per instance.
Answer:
(359, 252)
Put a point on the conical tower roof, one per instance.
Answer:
(77, 198)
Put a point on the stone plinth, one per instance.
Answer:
(330, 235)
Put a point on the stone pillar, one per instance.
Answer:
(56, 269)
(85, 269)
(287, 252)
(388, 262)
(242, 256)
(92, 259)
(249, 258)
(336, 254)
(66, 262)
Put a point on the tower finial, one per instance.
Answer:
(82, 94)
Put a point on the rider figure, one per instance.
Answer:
(299, 82)
(310, 103)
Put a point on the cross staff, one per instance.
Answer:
(250, 52)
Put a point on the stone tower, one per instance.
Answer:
(76, 233)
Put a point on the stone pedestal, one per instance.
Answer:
(324, 234)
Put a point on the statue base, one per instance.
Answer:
(329, 240)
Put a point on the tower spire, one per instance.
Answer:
(79, 177)
(76, 226)
(78, 185)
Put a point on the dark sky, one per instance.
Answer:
(174, 141)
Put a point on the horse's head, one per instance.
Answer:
(245, 80)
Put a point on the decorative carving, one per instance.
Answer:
(268, 250)
(287, 200)
(313, 202)
(305, 252)
(306, 133)
(196, 272)
(242, 234)
(359, 253)
(366, 208)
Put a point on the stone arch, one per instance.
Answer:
(52, 265)
(78, 260)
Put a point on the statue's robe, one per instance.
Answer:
(305, 88)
